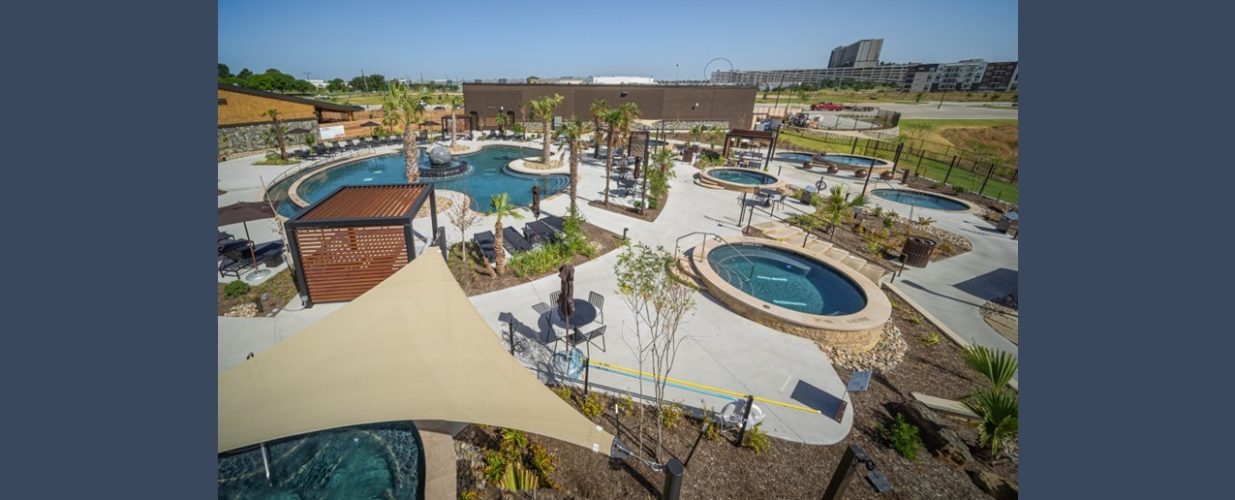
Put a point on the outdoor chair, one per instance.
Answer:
(233, 266)
(514, 241)
(598, 301)
(553, 297)
(270, 253)
(544, 309)
(484, 242)
(598, 332)
(554, 222)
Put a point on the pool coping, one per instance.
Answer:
(866, 325)
(747, 188)
(882, 166)
(517, 166)
(969, 207)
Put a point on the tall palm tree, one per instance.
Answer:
(598, 109)
(543, 109)
(502, 122)
(573, 130)
(403, 106)
(618, 121)
(279, 131)
(500, 206)
(456, 102)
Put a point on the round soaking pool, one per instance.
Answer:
(921, 199)
(783, 287)
(739, 179)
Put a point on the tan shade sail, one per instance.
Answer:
(411, 348)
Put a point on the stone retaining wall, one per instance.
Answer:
(246, 138)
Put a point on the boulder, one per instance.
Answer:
(439, 155)
(993, 484)
(938, 437)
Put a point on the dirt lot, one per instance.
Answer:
(719, 469)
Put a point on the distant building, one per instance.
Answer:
(321, 84)
(621, 80)
(243, 122)
(889, 74)
(1000, 76)
(860, 54)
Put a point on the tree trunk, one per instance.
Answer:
(596, 139)
(499, 253)
(411, 160)
(608, 168)
(453, 131)
(282, 143)
(544, 157)
(574, 177)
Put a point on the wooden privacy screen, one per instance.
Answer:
(341, 263)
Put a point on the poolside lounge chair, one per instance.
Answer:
(514, 241)
(555, 222)
(485, 242)
(233, 267)
(539, 233)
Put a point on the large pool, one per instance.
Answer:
(742, 176)
(488, 176)
(787, 279)
(368, 461)
(919, 199)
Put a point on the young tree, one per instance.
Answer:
(278, 132)
(574, 130)
(696, 134)
(660, 304)
(456, 102)
(463, 219)
(618, 121)
(542, 109)
(501, 207)
(599, 109)
(835, 206)
(403, 107)
(658, 178)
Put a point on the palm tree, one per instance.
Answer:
(403, 107)
(658, 177)
(573, 130)
(502, 122)
(835, 206)
(279, 131)
(543, 109)
(618, 121)
(598, 109)
(500, 206)
(456, 101)
(696, 134)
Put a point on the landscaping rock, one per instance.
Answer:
(883, 357)
(246, 310)
(938, 437)
(993, 484)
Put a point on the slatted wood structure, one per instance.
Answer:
(753, 135)
(355, 238)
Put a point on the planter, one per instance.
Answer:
(887, 175)
(832, 169)
(861, 172)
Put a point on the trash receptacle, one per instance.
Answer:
(1005, 222)
(917, 251)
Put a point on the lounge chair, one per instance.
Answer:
(514, 241)
(539, 233)
(555, 222)
(270, 253)
(233, 266)
(599, 332)
(233, 248)
(224, 236)
(485, 242)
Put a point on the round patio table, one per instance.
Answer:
(585, 313)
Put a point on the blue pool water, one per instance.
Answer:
(488, 176)
(369, 461)
(741, 176)
(923, 200)
(795, 157)
(787, 279)
(856, 161)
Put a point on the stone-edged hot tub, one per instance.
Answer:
(740, 179)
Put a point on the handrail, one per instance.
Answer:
(677, 244)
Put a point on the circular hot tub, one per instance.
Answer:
(922, 199)
(810, 296)
(739, 179)
(855, 162)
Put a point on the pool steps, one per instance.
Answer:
(789, 234)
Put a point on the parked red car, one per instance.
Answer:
(827, 106)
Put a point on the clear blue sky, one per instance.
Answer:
(516, 39)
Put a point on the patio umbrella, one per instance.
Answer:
(243, 212)
(566, 300)
(536, 201)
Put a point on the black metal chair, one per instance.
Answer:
(598, 301)
(544, 309)
(553, 297)
(599, 332)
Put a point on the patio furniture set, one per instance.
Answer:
(239, 255)
(535, 234)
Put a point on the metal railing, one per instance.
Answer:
(703, 245)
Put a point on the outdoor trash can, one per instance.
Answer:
(1005, 222)
(917, 251)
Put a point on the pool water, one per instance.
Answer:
(856, 161)
(739, 176)
(787, 279)
(922, 200)
(795, 157)
(488, 176)
(368, 461)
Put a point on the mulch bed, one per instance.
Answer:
(649, 214)
(475, 278)
(719, 469)
(279, 288)
(847, 237)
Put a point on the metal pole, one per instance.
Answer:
(988, 177)
(897, 157)
(742, 209)
(868, 176)
(587, 369)
(854, 148)
(698, 438)
(673, 480)
(844, 472)
(266, 464)
(510, 328)
(750, 402)
(949, 174)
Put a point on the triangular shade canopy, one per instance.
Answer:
(411, 348)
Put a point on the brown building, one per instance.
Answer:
(243, 121)
(679, 106)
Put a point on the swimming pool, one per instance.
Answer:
(787, 279)
(488, 176)
(795, 156)
(367, 461)
(742, 176)
(920, 199)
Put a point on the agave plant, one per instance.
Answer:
(999, 411)
(518, 478)
(997, 366)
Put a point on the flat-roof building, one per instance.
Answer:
(859, 54)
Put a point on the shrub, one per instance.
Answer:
(236, 289)
(519, 464)
(999, 414)
(591, 406)
(997, 367)
(536, 261)
(903, 437)
(670, 415)
(960, 190)
(562, 392)
(626, 404)
(756, 439)
(932, 338)
(874, 247)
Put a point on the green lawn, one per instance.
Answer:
(875, 96)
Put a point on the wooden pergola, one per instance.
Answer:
(355, 238)
(754, 135)
(471, 123)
